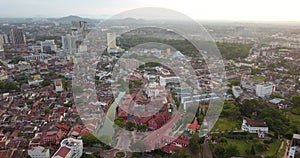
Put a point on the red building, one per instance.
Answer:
(159, 119)
(193, 127)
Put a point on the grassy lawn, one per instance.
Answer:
(243, 145)
(274, 147)
(259, 78)
(224, 124)
(281, 152)
(295, 119)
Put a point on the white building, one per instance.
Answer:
(38, 152)
(48, 46)
(69, 43)
(152, 89)
(255, 126)
(111, 41)
(237, 91)
(69, 148)
(172, 79)
(40, 56)
(58, 85)
(5, 38)
(263, 90)
(35, 82)
(1, 44)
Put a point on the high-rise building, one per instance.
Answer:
(69, 43)
(47, 46)
(263, 90)
(111, 41)
(5, 38)
(80, 28)
(1, 45)
(17, 37)
(69, 148)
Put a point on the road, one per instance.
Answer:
(123, 141)
(206, 150)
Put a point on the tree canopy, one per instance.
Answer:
(8, 87)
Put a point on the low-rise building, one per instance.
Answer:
(58, 85)
(295, 146)
(69, 148)
(237, 91)
(38, 152)
(255, 126)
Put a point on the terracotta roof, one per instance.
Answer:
(15, 133)
(255, 123)
(122, 114)
(194, 126)
(170, 147)
(63, 152)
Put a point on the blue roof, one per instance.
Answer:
(276, 100)
(177, 54)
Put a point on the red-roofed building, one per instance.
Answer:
(159, 119)
(156, 122)
(173, 145)
(193, 127)
(63, 152)
(69, 148)
(51, 137)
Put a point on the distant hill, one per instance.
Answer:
(69, 19)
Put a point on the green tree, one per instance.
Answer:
(45, 83)
(219, 151)
(15, 60)
(66, 85)
(90, 140)
(181, 154)
(88, 156)
(223, 140)
(230, 110)
(194, 145)
(138, 82)
(231, 151)
(296, 100)
(252, 150)
(248, 107)
(142, 127)
(47, 110)
(119, 122)
(130, 126)
(277, 95)
(235, 82)
(8, 87)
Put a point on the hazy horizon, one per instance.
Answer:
(230, 10)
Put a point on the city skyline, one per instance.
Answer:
(231, 10)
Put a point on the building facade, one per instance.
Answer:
(255, 126)
(111, 41)
(48, 46)
(69, 148)
(69, 43)
(38, 152)
(263, 90)
(17, 37)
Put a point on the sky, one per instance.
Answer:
(248, 10)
